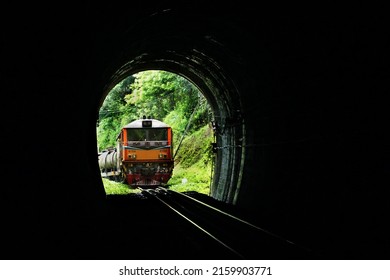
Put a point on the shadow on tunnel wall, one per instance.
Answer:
(313, 92)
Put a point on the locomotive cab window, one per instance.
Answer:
(152, 134)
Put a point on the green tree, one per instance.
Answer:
(112, 114)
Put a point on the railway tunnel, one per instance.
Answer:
(300, 110)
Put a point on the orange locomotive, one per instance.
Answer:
(143, 156)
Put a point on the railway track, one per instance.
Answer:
(237, 238)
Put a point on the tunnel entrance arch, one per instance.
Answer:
(200, 58)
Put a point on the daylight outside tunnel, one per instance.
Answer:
(168, 98)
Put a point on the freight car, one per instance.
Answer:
(143, 156)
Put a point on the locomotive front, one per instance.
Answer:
(146, 150)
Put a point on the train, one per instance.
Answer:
(143, 155)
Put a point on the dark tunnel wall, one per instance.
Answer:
(319, 141)
(313, 98)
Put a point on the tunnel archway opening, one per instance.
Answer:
(162, 97)
(201, 59)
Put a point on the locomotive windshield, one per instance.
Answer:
(147, 134)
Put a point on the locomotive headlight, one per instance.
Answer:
(146, 123)
(161, 155)
(132, 156)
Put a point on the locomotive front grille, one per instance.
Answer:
(148, 171)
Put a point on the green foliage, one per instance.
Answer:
(193, 164)
(186, 187)
(196, 148)
(195, 178)
(112, 114)
(108, 131)
(112, 187)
